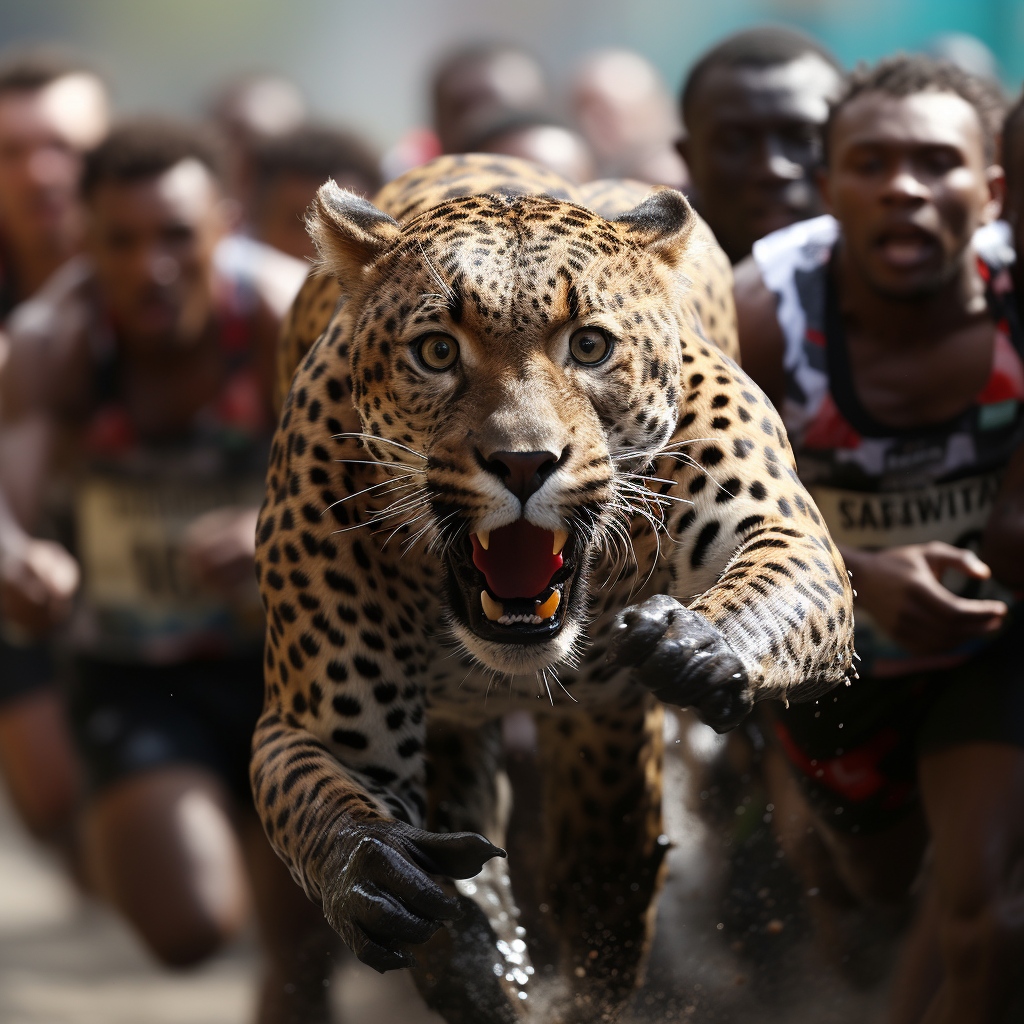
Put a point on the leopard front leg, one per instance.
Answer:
(476, 970)
(369, 869)
(604, 851)
(760, 604)
(338, 764)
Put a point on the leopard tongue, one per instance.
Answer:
(517, 561)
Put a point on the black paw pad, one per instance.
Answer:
(683, 660)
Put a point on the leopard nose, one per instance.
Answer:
(523, 473)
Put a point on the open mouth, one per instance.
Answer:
(513, 584)
(907, 246)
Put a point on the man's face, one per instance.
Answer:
(476, 89)
(621, 105)
(153, 241)
(43, 133)
(753, 147)
(907, 180)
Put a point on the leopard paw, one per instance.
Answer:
(683, 660)
(377, 891)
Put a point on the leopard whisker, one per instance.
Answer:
(405, 503)
(375, 518)
(554, 672)
(696, 465)
(381, 465)
(656, 479)
(397, 485)
(446, 288)
(360, 435)
(544, 676)
(397, 529)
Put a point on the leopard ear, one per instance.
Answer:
(662, 222)
(348, 231)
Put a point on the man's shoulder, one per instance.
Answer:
(46, 334)
(994, 244)
(267, 273)
(57, 304)
(801, 246)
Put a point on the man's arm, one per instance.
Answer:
(902, 589)
(38, 578)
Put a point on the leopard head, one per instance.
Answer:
(523, 354)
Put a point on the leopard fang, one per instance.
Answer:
(547, 609)
(492, 609)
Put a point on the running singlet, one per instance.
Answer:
(879, 486)
(136, 499)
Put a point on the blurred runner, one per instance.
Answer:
(625, 112)
(475, 86)
(471, 89)
(753, 108)
(249, 111)
(890, 337)
(51, 110)
(287, 172)
(139, 386)
(541, 139)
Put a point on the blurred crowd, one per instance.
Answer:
(146, 267)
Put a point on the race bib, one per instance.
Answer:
(954, 512)
(140, 595)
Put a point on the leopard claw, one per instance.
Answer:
(683, 659)
(377, 891)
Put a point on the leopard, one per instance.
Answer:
(513, 472)
(709, 303)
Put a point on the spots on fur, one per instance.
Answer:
(375, 473)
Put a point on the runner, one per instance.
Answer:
(620, 103)
(51, 110)
(289, 169)
(892, 343)
(753, 107)
(139, 385)
(474, 86)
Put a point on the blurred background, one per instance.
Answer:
(64, 958)
(368, 64)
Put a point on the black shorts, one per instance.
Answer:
(24, 669)
(855, 750)
(128, 718)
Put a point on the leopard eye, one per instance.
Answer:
(438, 351)
(590, 346)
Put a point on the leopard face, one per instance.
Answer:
(514, 360)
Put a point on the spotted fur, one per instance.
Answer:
(675, 477)
(708, 305)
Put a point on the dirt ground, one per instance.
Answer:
(734, 944)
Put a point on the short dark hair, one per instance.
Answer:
(145, 148)
(316, 151)
(763, 47)
(26, 69)
(907, 74)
